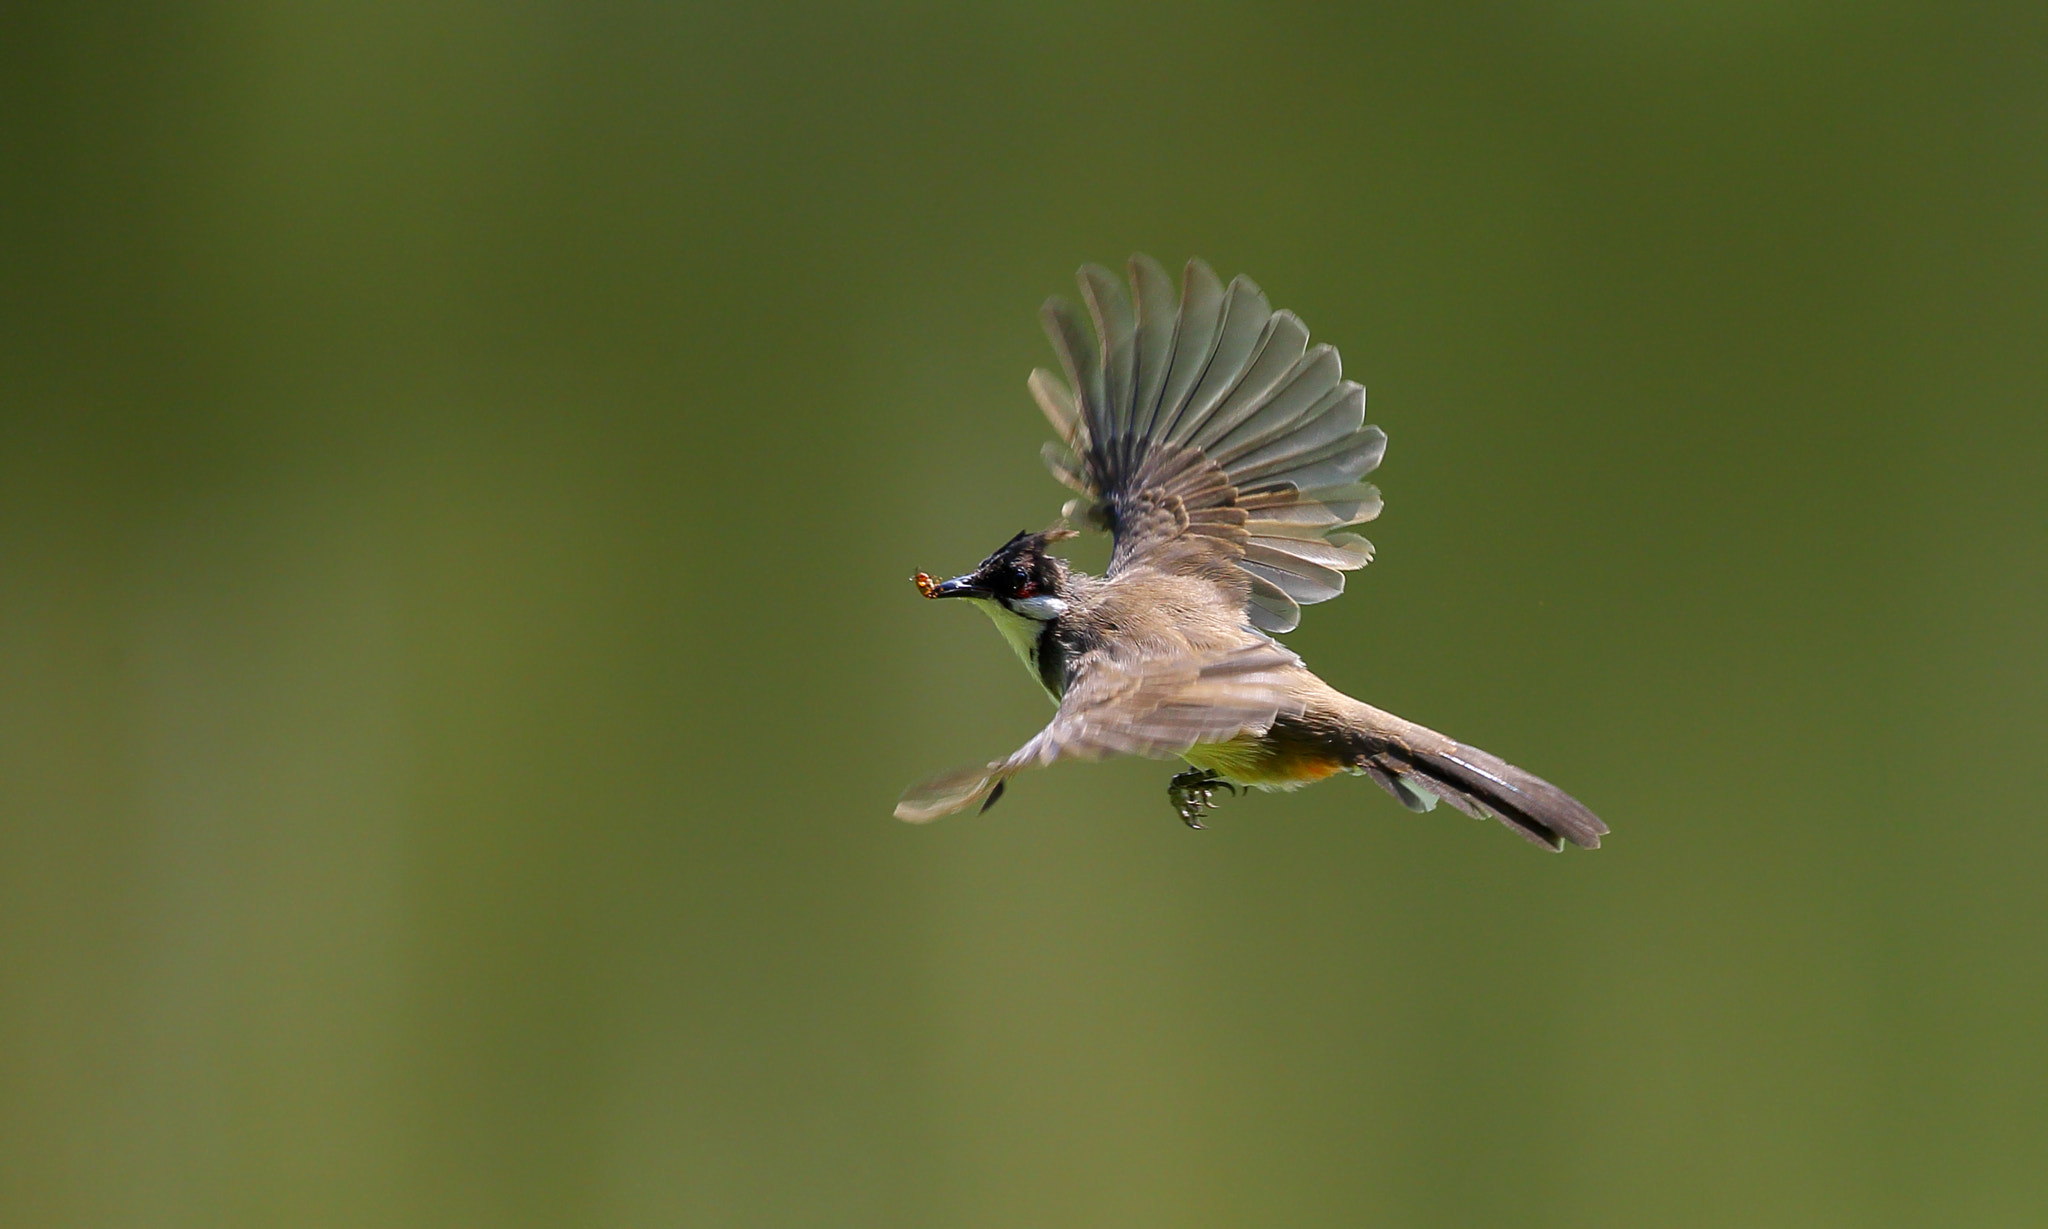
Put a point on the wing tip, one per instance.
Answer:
(948, 793)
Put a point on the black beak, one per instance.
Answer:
(959, 586)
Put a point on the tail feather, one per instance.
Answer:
(1481, 785)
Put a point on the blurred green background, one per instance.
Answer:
(459, 467)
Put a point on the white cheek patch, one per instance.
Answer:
(1043, 609)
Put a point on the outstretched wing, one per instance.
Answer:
(1156, 705)
(1210, 438)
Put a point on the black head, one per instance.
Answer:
(1020, 575)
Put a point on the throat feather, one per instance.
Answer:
(1030, 638)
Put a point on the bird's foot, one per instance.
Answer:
(1193, 794)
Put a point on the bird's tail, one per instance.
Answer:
(1418, 766)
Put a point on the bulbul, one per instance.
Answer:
(1223, 454)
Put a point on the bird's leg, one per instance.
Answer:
(1193, 794)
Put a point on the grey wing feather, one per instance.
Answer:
(1210, 438)
(1116, 326)
(1158, 333)
(1279, 353)
(1201, 314)
(1155, 705)
(1243, 327)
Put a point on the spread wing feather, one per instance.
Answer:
(1155, 704)
(1209, 437)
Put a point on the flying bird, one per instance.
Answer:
(1223, 453)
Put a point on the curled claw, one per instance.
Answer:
(1193, 794)
(925, 585)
